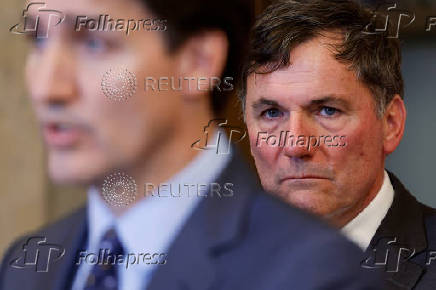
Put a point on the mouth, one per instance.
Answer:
(307, 178)
(61, 135)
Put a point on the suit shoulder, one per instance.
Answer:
(296, 240)
(64, 224)
(52, 231)
(273, 216)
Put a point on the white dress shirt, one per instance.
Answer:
(362, 228)
(152, 224)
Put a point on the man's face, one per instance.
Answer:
(316, 96)
(87, 133)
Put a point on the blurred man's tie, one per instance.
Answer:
(104, 274)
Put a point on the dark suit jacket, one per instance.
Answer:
(405, 243)
(249, 241)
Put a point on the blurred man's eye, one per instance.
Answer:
(95, 44)
(90, 42)
(272, 113)
(37, 42)
(329, 111)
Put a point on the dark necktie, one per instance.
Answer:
(104, 274)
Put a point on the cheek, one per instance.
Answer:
(265, 157)
(359, 158)
(123, 126)
(32, 73)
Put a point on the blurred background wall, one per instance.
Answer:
(22, 180)
(28, 199)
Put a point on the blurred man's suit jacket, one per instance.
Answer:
(250, 241)
(404, 243)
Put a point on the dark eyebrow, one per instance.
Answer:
(332, 99)
(264, 102)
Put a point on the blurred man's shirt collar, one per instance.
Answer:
(152, 223)
(362, 228)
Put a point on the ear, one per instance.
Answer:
(201, 60)
(393, 125)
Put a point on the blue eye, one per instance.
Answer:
(329, 111)
(272, 113)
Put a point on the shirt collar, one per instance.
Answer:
(363, 227)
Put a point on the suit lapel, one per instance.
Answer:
(214, 227)
(71, 237)
(404, 227)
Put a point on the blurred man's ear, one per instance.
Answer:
(394, 123)
(202, 57)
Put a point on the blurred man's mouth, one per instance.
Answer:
(61, 135)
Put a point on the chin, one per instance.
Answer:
(308, 201)
(74, 172)
(67, 177)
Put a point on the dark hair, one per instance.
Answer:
(373, 56)
(188, 17)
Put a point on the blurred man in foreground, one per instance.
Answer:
(323, 106)
(205, 224)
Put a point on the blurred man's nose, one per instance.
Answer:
(301, 129)
(52, 79)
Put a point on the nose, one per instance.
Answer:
(50, 73)
(300, 139)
